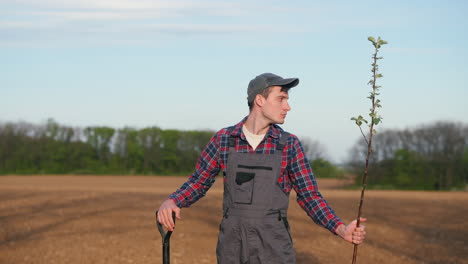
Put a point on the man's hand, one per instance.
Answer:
(351, 233)
(165, 214)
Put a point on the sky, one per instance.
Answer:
(186, 64)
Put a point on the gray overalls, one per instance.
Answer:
(254, 228)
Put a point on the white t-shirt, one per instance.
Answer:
(254, 140)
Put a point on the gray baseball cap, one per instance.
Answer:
(265, 80)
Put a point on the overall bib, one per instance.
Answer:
(254, 228)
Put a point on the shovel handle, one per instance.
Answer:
(165, 239)
(165, 235)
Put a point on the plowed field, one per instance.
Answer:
(110, 219)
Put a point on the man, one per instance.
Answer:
(261, 163)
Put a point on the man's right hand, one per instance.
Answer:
(165, 214)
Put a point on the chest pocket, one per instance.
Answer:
(245, 183)
(244, 187)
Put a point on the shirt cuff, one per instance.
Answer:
(336, 227)
(174, 197)
(333, 224)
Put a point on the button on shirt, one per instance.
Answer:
(296, 172)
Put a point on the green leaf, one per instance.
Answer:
(357, 121)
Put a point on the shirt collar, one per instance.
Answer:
(274, 130)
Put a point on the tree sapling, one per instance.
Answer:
(375, 119)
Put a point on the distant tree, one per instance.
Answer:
(171, 156)
(436, 152)
(317, 155)
(323, 168)
(313, 149)
(189, 147)
(150, 139)
(99, 138)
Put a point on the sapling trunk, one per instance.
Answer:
(375, 119)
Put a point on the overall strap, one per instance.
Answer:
(232, 140)
(232, 143)
(282, 142)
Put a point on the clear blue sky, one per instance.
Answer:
(186, 64)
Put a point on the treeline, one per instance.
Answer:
(52, 148)
(55, 149)
(428, 157)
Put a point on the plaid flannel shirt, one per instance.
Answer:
(295, 172)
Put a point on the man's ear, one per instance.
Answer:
(259, 100)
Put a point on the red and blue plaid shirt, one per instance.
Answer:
(295, 172)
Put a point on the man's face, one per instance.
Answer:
(276, 105)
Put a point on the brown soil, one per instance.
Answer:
(110, 219)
